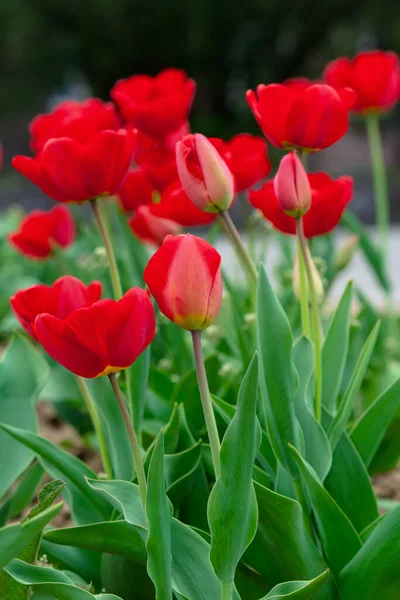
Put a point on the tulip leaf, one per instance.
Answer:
(368, 432)
(85, 504)
(278, 377)
(334, 351)
(346, 405)
(23, 493)
(138, 374)
(232, 507)
(82, 562)
(298, 590)
(23, 373)
(282, 548)
(338, 536)
(159, 517)
(120, 576)
(316, 444)
(14, 538)
(180, 472)
(374, 571)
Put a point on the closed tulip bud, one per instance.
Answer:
(292, 187)
(346, 252)
(184, 276)
(318, 285)
(204, 175)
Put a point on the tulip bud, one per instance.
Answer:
(346, 252)
(204, 175)
(292, 187)
(318, 285)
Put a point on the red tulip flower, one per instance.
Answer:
(156, 158)
(41, 232)
(135, 190)
(70, 171)
(308, 118)
(73, 119)
(205, 176)
(374, 76)
(184, 276)
(60, 299)
(155, 105)
(175, 205)
(100, 339)
(247, 157)
(329, 199)
(151, 229)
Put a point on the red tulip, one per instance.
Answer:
(100, 339)
(40, 232)
(294, 116)
(292, 187)
(247, 157)
(155, 105)
(69, 171)
(135, 190)
(73, 119)
(175, 205)
(329, 199)
(205, 176)
(60, 299)
(157, 160)
(151, 229)
(374, 76)
(184, 276)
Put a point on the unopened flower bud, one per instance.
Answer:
(292, 187)
(317, 281)
(204, 175)
(346, 252)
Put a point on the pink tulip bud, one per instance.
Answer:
(292, 187)
(204, 175)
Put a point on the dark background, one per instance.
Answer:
(52, 49)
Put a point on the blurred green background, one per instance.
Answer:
(53, 49)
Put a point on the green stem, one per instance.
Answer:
(229, 227)
(105, 236)
(315, 326)
(301, 499)
(94, 415)
(304, 304)
(206, 401)
(137, 456)
(226, 590)
(380, 182)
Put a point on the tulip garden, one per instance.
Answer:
(237, 417)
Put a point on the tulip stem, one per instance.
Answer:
(380, 182)
(137, 456)
(315, 326)
(206, 401)
(230, 228)
(105, 236)
(304, 303)
(227, 590)
(94, 415)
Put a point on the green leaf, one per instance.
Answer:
(159, 517)
(23, 493)
(139, 376)
(14, 538)
(180, 470)
(23, 373)
(120, 576)
(232, 507)
(278, 377)
(85, 504)
(374, 571)
(334, 351)
(346, 405)
(316, 444)
(298, 590)
(282, 548)
(368, 432)
(82, 562)
(338, 536)
(371, 253)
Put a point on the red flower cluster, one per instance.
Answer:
(374, 76)
(329, 199)
(303, 115)
(88, 336)
(40, 232)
